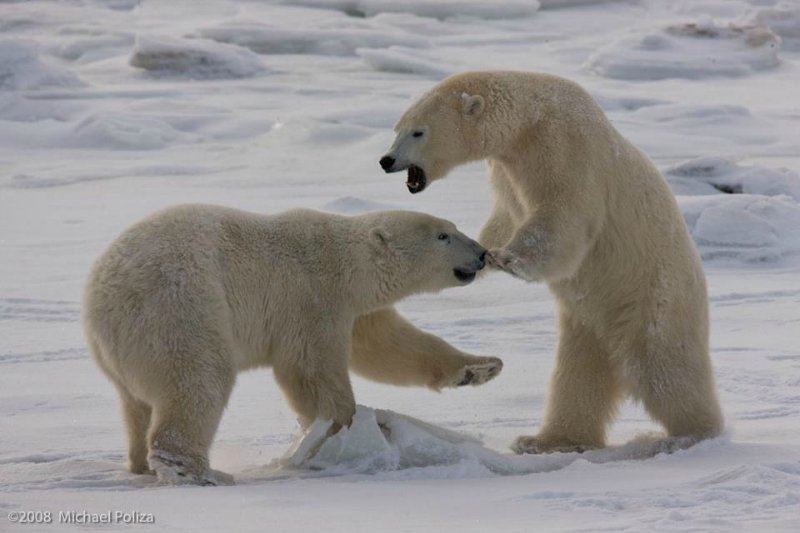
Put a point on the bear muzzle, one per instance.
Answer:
(416, 181)
(467, 273)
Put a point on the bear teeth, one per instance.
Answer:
(416, 180)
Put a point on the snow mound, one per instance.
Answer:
(784, 20)
(395, 445)
(403, 61)
(22, 68)
(264, 39)
(694, 50)
(194, 58)
(439, 9)
(748, 213)
(123, 131)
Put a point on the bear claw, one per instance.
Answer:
(173, 470)
(535, 445)
(507, 261)
(479, 373)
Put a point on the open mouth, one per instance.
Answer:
(464, 275)
(416, 181)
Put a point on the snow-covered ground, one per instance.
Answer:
(112, 109)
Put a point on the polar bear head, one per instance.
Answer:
(443, 129)
(422, 253)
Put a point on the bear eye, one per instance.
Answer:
(418, 133)
(443, 236)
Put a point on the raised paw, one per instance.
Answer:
(507, 261)
(478, 373)
(536, 445)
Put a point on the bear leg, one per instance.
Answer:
(137, 421)
(685, 401)
(498, 228)
(135, 413)
(316, 381)
(584, 395)
(389, 349)
(183, 427)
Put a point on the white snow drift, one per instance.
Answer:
(21, 67)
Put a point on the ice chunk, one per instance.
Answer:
(194, 58)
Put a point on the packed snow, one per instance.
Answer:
(110, 110)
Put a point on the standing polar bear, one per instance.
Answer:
(190, 296)
(580, 207)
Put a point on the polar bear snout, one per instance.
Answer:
(467, 273)
(417, 179)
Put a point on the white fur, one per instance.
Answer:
(184, 300)
(581, 208)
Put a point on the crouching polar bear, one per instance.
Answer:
(578, 206)
(190, 296)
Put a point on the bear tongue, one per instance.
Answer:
(416, 180)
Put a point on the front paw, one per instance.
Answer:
(478, 373)
(507, 261)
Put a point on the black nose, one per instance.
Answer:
(387, 162)
(482, 261)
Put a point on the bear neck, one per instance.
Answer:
(379, 279)
(527, 109)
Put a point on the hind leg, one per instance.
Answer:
(584, 394)
(137, 421)
(678, 391)
(135, 413)
(184, 423)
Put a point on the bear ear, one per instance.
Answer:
(379, 237)
(472, 105)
